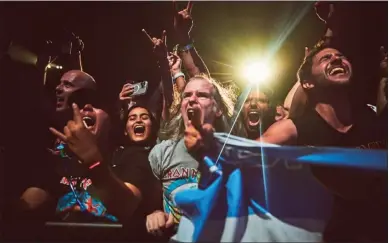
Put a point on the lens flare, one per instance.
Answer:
(257, 72)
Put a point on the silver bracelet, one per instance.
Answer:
(177, 75)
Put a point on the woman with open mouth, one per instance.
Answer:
(140, 136)
(256, 113)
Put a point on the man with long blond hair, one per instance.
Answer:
(205, 107)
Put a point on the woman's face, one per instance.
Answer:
(139, 125)
(254, 109)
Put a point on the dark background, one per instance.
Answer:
(117, 50)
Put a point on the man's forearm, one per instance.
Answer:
(167, 88)
(180, 83)
(119, 199)
(193, 63)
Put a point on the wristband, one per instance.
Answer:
(186, 48)
(94, 165)
(177, 75)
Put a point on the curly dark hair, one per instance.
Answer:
(305, 70)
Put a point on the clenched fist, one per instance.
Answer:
(158, 221)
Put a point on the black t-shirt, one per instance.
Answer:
(68, 183)
(79, 202)
(360, 196)
(131, 165)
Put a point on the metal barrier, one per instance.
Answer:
(72, 231)
(89, 225)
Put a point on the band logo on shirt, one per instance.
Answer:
(85, 183)
(181, 173)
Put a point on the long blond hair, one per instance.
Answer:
(174, 128)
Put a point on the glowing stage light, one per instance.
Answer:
(257, 72)
(52, 65)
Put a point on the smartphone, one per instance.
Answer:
(140, 88)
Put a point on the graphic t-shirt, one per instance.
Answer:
(176, 169)
(129, 164)
(76, 200)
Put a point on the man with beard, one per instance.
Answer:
(330, 120)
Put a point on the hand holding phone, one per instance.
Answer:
(139, 88)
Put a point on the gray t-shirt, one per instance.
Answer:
(176, 169)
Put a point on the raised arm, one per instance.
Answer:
(177, 74)
(166, 86)
(183, 24)
(283, 132)
(296, 99)
(325, 11)
(72, 51)
(109, 188)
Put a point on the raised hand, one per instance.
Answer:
(324, 10)
(384, 61)
(159, 45)
(125, 94)
(183, 21)
(174, 63)
(79, 139)
(78, 43)
(198, 137)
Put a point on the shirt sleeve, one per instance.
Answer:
(155, 159)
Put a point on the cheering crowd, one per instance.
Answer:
(166, 135)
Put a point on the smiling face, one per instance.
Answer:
(139, 125)
(330, 67)
(254, 109)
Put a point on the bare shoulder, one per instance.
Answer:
(281, 132)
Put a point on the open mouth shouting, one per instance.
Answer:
(89, 118)
(139, 129)
(89, 122)
(60, 102)
(191, 113)
(253, 118)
